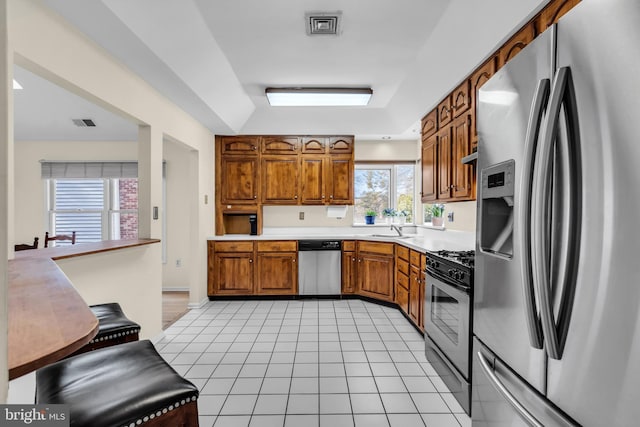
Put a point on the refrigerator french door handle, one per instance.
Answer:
(562, 93)
(497, 384)
(540, 99)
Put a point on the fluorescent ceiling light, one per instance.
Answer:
(317, 97)
(16, 85)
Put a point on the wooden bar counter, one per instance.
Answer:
(48, 319)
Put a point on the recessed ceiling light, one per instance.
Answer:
(318, 97)
(16, 85)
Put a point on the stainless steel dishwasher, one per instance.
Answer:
(319, 267)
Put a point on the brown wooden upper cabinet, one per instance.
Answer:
(340, 145)
(461, 179)
(480, 77)
(327, 180)
(280, 180)
(314, 145)
(516, 43)
(444, 163)
(241, 145)
(281, 145)
(239, 180)
(445, 113)
(461, 101)
(429, 168)
(430, 124)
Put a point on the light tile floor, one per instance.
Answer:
(308, 363)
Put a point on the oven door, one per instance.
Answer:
(447, 320)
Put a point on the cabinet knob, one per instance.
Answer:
(360, 260)
(331, 196)
(293, 260)
(323, 196)
(250, 260)
(295, 197)
(253, 147)
(353, 259)
(255, 197)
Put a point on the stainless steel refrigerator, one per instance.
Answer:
(557, 285)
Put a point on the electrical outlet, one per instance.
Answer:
(450, 216)
(301, 216)
(178, 262)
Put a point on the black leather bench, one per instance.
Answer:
(121, 386)
(113, 328)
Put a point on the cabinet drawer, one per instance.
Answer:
(403, 280)
(376, 247)
(278, 246)
(348, 245)
(415, 258)
(402, 266)
(233, 246)
(402, 252)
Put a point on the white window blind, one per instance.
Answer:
(79, 205)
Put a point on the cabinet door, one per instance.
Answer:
(349, 268)
(313, 180)
(314, 145)
(242, 145)
(461, 101)
(515, 44)
(479, 78)
(445, 113)
(280, 180)
(239, 183)
(429, 168)
(339, 180)
(341, 145)
(277, 273)
(233, 273)
(415, 279)
(375, 276)
(461, 174)
(444, 163)
(402, 299)
(282, 145)
(430, 124)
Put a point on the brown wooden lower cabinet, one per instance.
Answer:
(277, 273)
(375, 270)
(232, 273)
(349, 269)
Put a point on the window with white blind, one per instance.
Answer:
(96, 209)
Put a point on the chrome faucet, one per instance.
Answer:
(398, 229)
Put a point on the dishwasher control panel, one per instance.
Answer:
(319, 245)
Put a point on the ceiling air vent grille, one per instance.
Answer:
(323, 23)
(84, 123)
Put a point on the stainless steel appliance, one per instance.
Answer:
(319, 267)
(449, 280)
(556, 301)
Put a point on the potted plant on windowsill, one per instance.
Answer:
(388, 213)
(402, 217)
(437, 215)
(370, 216)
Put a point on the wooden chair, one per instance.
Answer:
(47, 239)
(24, 246)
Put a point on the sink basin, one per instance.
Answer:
(393, 236)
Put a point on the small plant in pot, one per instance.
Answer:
(388, 213)
(437, 215)
(370, 216)
(402, 217)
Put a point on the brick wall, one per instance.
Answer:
(128, 200)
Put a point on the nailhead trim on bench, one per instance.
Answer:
(110, 337)
(162, 411)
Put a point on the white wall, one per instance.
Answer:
(30, 205)
(177, 216)
(137, 289)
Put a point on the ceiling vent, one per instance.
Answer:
(84, 123)
(323, 23)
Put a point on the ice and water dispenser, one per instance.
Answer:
(496, 217)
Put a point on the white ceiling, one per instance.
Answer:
(215, 58)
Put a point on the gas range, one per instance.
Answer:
(454, 267)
